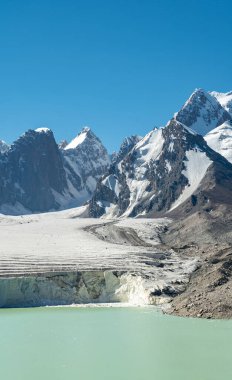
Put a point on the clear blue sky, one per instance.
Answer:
(118, 66)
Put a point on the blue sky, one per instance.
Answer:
(120, 67)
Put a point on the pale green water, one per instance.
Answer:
(112, 343)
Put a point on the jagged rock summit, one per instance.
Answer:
(85, 161)
(85, 133)
(202, 112)
(126, 146)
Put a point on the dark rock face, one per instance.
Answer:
(202, 112)
(30, 171)
(148, 182)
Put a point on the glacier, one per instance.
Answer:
(59, 259)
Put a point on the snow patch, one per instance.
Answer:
(79, 139)
(225, 99)
(195, 168)
(112, 183)
(220, 140)
(43, 130)
(150, 147)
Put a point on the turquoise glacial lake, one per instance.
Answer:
(112, 343)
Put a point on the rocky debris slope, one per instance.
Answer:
(207, 235)
(209, 293)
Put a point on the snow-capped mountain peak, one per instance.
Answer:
(202, 112)
(85, 161)
(79, 139)
(43, 130)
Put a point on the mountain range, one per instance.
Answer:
(183, 167)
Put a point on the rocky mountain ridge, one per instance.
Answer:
(166, 169)
(38, 176)
(170, 169)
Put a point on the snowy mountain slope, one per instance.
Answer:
(220, 140)
(162, 171)
(85, 161)
(3, 146)
(202, 112)
(225, 99)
